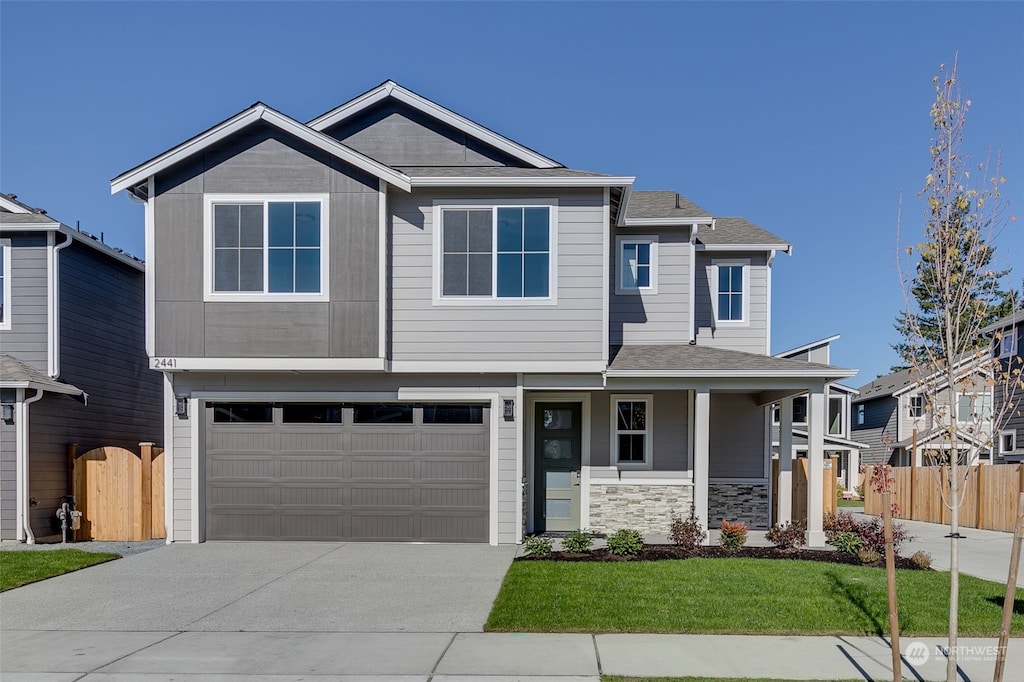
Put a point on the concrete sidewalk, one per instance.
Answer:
(51, 656)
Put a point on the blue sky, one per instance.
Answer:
(808, 119)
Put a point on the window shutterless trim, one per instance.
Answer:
(1012, 434)
(5, 319)
(620, 264)
(441, 205)
(209, 294)
(745, 263)
(1007, 343)
(648, 400)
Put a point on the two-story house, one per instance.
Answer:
(1008, 395)
(837, 428)
(903, 417)
(73, 365)
(392, 323)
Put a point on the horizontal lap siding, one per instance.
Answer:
(8, 481)
(879, 419)
(570, 330)
(751, 337)
(654, 318)
(737, 434)
(27, 337)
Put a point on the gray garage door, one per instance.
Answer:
(347, 472)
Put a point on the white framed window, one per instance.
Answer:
(915, 407)
(637, 265)
(5, 283)
(731, 300)
(1008, 342)
(262, 247)
(974, 407)
(860, 414)
(1007, 441)
(632, 431)
(495, 252)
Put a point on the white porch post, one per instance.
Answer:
(784, 492)
(816, 467)
(853, 464)
(701, 454)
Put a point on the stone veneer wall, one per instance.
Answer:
(646, 508)
(747, 502)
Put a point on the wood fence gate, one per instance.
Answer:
(120, 493)
(829, 488)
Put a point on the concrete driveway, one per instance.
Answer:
(271, 587)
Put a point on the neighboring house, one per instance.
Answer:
(392, 323)
(892, 415)
(1008, 345)
(73, 365)
(837, 430)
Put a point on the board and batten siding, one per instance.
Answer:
(261, 385)
(28, 337)
(259, 161)
(750, 337)
(570, 330)
(653, 318)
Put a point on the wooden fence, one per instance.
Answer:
(989, 501)
(829, 488)
(120, 493)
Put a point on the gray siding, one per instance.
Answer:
(27, 337)
(352, 384)
(737, 437)
(671, 430)
(751, 337)
(397, 135)
(1012, 415)
(8, 482)
(653, 318)
(570, 330)
(263, 160)
(102, 351)
(880, 417)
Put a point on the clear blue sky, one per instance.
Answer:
(806, 118)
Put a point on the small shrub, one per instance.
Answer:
(860, 491)
(537, 545)
(922, 560)
(787, 535)
(868, 555)
(842, 522)
(840, 489)
(625, 542)
(732, 536)
(870, 531)
(846, 541)
(578, 542)
(687, 533)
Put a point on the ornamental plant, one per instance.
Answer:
(787, 535)
(732, 535)
(578, 542)
(687, 533)
(626, 542)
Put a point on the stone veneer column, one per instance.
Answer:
(701, 454)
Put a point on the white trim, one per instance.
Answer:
(605, 277)
(30, 227)
(492, 485)
(693, 286)
(611, 475)
(745, 264)
(382, 267)
(1010, 350)
(530, 455)
(832, 373)
(5, 254)
(860, 415)
(519, 181)
(754, 480)
(394, 90)
(499, 366)
(150, 277)
(744, 247)
(768, 305)
(808, 346)
(53, 301)
(315, 396)
(620, 268)
(1012, 433)
(177, 364)
(168, 419)
(265, 199)
(243, 119)
(974, 396)
(437, 237)
(701, 436)
(666, 222)
(12, 206)
(648, 432)
(521, 420)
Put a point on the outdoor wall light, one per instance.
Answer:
(7, 413)
(509, 409)
(181, 407)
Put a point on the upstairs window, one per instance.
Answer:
(974, 407)
(916, 408)
(860, 415)
(637, 265)
(266, 247)
(1008, 342)
(5, 284)
(496, 253)
(731, 298)
(1007, 441)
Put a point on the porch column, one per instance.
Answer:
(853, 468)
(816, 466)
(784, 484)
(701, 454)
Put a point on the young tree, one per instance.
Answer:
(951, 293)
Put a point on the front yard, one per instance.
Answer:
(19, 568)
(737, 596)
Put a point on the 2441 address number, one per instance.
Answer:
(164, 363)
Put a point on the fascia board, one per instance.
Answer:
(666, 222)
(522, 182)
(807, 346)
(733, 373)
(785, 248)
(12, 206)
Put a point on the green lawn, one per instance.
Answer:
(850, 503)
(737, 596)
(21, 568)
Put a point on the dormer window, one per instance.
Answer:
(637, 265)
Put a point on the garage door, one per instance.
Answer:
(347, 472)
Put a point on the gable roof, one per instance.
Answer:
(900, 382)
(740, 233)
(662, 207)
(16, 374)
(509, 176)
(9, 204)
(1008, 321)
(257, 112)
(684, 360)
(807, 346)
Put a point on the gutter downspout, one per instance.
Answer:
(52, 304)
(21, 435)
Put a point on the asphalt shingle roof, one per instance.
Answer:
(14, 371)
(737, 231)
(662, 204)
(8, 218)
(686, 358)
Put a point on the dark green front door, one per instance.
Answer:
(557, 447)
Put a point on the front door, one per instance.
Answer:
(557, 446)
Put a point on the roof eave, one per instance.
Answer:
(838, 373)
(603, 181)
(785, 248)
(667, 222)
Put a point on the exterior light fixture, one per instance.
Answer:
(509, 409)
(7, 413)
(181, 407)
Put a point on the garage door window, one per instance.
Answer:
(453, 414)
(382, 414)
(311, 413)
(243, 413)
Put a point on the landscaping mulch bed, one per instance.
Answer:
(664, 552)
